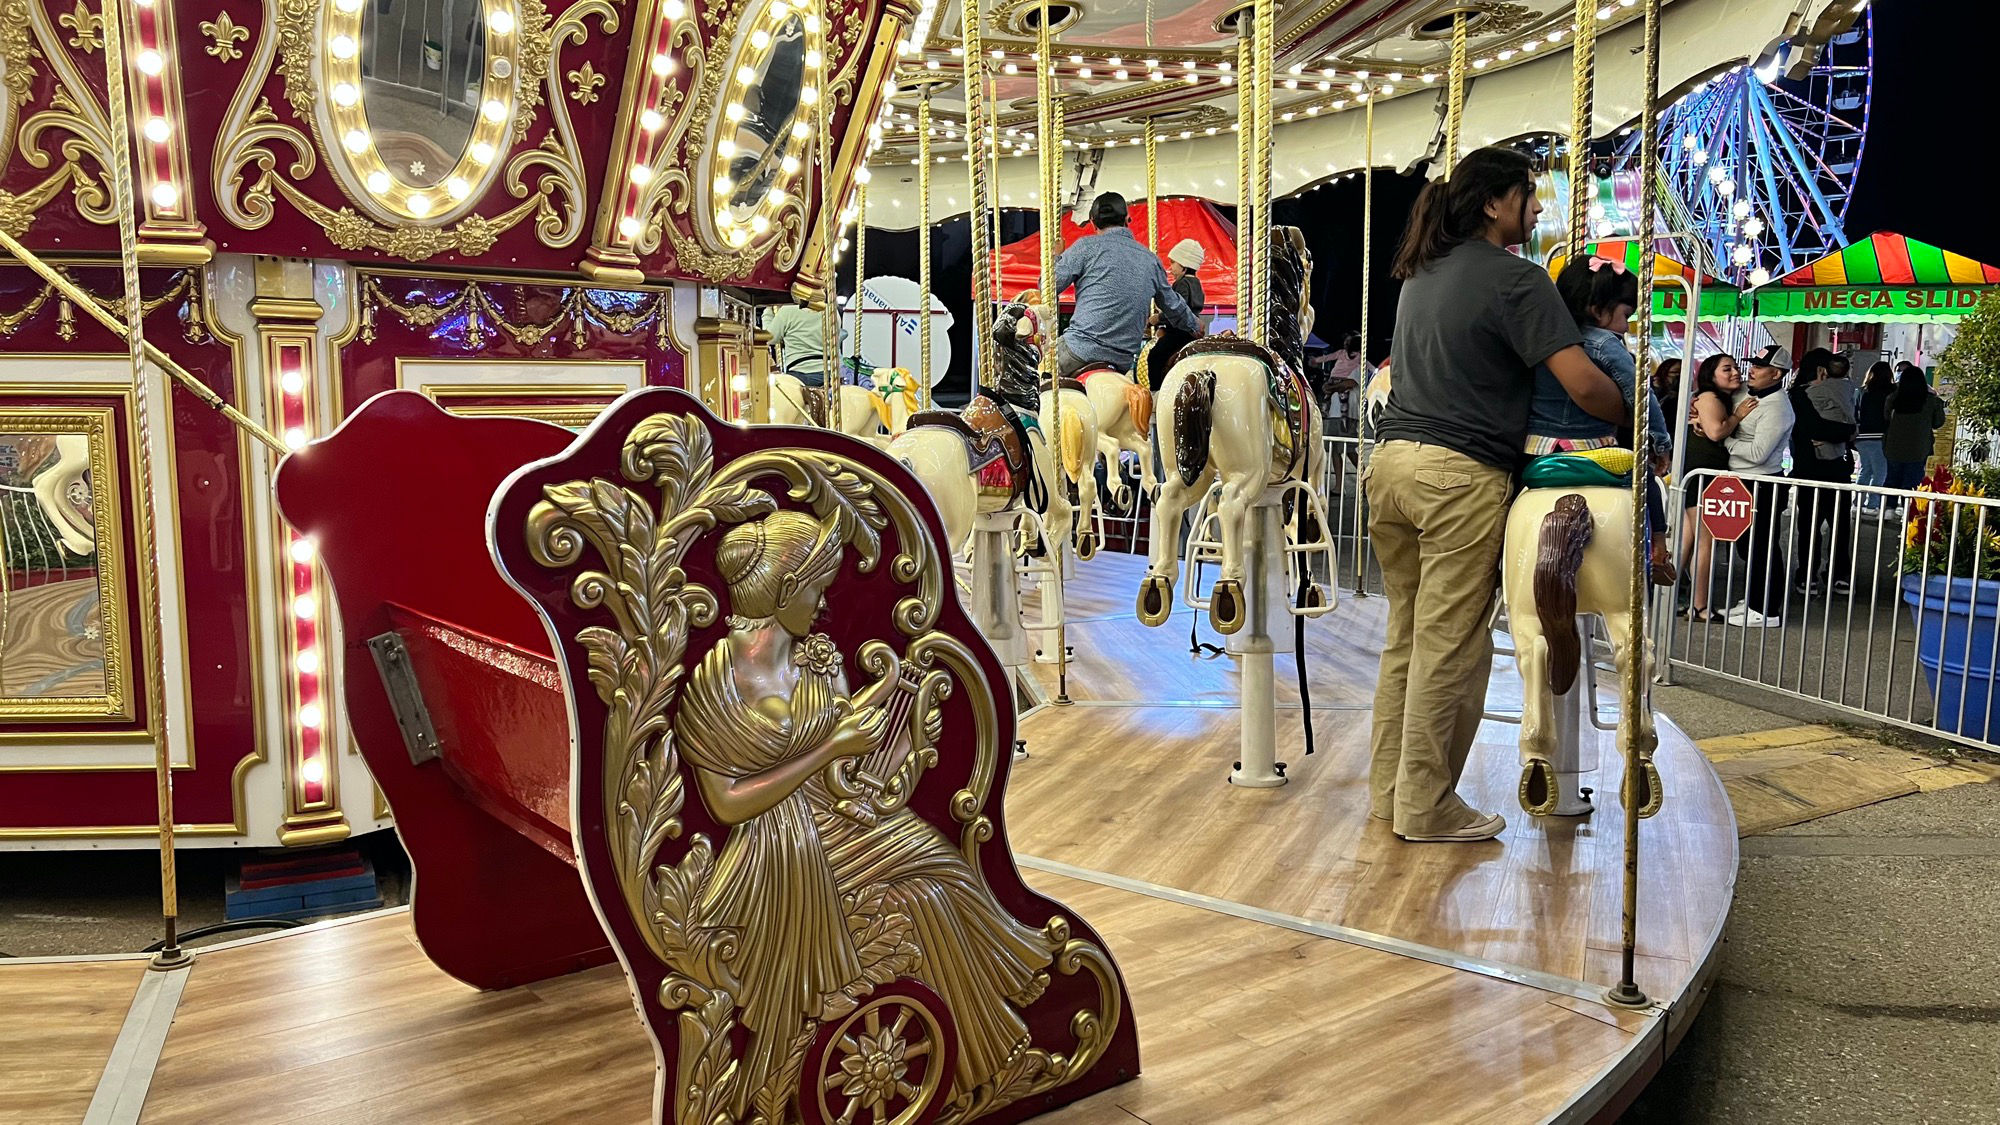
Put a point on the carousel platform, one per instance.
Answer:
(1289, 960)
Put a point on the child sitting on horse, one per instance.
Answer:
(1602, 295)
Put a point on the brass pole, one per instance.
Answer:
(1265, 49)
(171, 954)
(924, 247)
(829, 223)
(1454, 118)
(1246, 208)
(1049, 130)
(83, 300)
(1582, 77)
(1152, 189)
(1367, 278)
(977, 211)
(1638, 750)
(860, 263)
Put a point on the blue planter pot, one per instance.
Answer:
(1955, 620)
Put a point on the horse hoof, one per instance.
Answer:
(1156, 600)
(1539, 793)
(1086, 547)
(1225, 607)
(1315, 597)
(1651, 795)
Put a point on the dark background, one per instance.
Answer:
(1933, 66)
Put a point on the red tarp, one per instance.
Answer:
(1021, 262)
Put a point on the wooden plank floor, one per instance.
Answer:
(59, 1024)
(1545, 896)
(350, 1024)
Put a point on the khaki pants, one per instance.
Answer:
(1437, 520)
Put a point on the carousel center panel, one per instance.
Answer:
(1154, 730)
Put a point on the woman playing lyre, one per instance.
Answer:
(766, 712)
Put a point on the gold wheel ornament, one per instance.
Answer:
(887, 1063)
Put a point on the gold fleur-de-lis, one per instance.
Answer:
(86, 24)
(226, 33)
(586, 80)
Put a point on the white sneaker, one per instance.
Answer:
(1750, 619)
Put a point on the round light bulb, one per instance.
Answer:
(302, 550)
(345, 95)
(349, 6)
(651, 121)
(313, 772)
(801, 130)
(739, 383)
(629, 227)
(813, 58)
(808, 95)
(150, 62)
(746, 75)
(500, 21)
(494, 111)
(294, 383)
(420, 205)
(310, 716)
(341, 46)
(157, 130)
(1760, 276)
(307, 662)
(758, 223)
(165, 195)
(790, 165)
(760, 39)
(482, 152)
(725, 148)
(663, 65)
(1741, 256)
(775, 196)
(378, 182)
(734, 112)
(738, 237)
(673, 9)
(304, 608)
(457, 188)
(356, 141)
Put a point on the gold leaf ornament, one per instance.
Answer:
(87, 25)
(586, 81)
(226, 33)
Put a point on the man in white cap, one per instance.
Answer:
(1183, 265)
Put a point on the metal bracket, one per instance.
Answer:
(406, 698)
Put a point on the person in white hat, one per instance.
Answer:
(1184, 262)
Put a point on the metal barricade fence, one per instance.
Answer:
(1872, 601)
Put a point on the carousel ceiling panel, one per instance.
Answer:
(641, 140)
(1321, 133)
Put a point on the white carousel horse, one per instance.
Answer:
(862, 412)
(944, 460)
(896, 390)
(1568, 551)
(1020, 332)
(64, 496)
(1244, 414)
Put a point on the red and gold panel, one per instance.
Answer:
(81, 778)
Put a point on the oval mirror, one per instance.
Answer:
(421, 95)
(763, 131)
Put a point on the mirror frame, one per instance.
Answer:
(719, 229)
(115, 703)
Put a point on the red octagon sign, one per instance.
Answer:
(1725, 508)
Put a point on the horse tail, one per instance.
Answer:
(1566, 531)
(1193, 408)
(1074, 455)
(1139, 405)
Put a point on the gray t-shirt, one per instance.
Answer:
(1470, 329)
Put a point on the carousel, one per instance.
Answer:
(392, 440)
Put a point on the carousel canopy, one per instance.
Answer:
(1719, 299)
(1020, 266)
(1884, 277)
(1390, 50)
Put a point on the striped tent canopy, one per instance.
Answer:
(1629, 251)
(1887, 258)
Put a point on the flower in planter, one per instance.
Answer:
(1948, 539)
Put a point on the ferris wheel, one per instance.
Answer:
(1759, 167)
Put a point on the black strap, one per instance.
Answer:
(1299, 509)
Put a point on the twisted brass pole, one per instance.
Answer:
(1638, 749)
(1367, 220)
(1050, 133)
(1454, 118)
(829, 323)
(1264, 47)
(860, 263)
(1582, 78)
(120, 135)
(981, 204)
(1246, 209)
(1152, 189)
(924, 247)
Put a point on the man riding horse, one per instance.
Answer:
(1117, 281)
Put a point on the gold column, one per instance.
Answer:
(1582, 77)
(287, 341)
(1639, 792)
(924, 247)
(978, 212)
(1454, 118)
(120, 134)
(1152, 189)
(1246, 135)
(168, 233)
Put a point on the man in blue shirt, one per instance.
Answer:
(1117, 282)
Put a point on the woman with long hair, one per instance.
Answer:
(1871, 421)
(1472, 323)
(1666, 384)
(1915, 413)
(1718, 405)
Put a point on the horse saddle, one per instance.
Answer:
(996, 443)
(1068, 383)
(819, 404)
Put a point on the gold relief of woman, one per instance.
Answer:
(764, 714)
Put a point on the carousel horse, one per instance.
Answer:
(1020, 332)
(1568, 551)
(861, 412)
(1244, 414)
(60, 461)
(1123, 407)
(980, 461)
(896, 392)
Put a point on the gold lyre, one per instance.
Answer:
(880, 782)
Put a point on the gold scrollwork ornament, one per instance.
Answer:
(226, 33)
